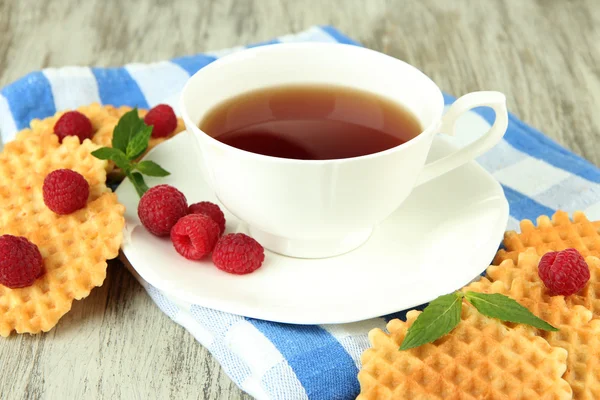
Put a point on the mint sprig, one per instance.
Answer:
(130, 140)
(442, 315)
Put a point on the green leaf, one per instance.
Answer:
(115, 155)
(151, 168)
(439, 318)
(129, 124)
(138, 183)
(106, 153)
(504, 308)
(139, 142)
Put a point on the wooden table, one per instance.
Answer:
(116, 344)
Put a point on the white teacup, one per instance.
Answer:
(315, 209)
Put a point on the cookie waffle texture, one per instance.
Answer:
(579, 331)
(74, 247)
(554, 234)
(277, 361)
(527, 269)
(40, 137)
(480, 359)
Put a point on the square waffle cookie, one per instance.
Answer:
(74, 247)
(480, 359)
(579, 332)
(554, 234)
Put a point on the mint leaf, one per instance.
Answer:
(139, 142)
(151, 168)
(115, 155)
(129, 124)
(439, 318)
(504, 308)
(106, 153)
(138, 183)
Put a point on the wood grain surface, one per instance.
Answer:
(116, 344)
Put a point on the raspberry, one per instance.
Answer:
(564, 272)
(237, 253)
(163, 119)
(160, 208)
(73, 123)
(20, 262)
(210, 209)
(65, 191)
(194, 236)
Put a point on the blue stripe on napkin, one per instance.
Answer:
(191, 64)
(523, 207)
(266, 42)
(536, 144)
(338, 36)
(29, 98)
(118, 88)
(322, 365)
(533, 142)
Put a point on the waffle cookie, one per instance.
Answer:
(480, 359)
(74, 247)
(40, 136)
(554, 234)
(527, 269)
(579, 332)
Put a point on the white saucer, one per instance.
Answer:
(444, 235)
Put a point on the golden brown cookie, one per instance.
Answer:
(527, 269)
(74, 247)
(554, 234)
(40, 137)
(480, 359)
(579, 332)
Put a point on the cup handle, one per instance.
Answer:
(494, 100)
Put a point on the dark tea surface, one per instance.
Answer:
(311, 122)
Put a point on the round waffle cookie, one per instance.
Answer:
(74, 247)
(480, 359)
(579, 332)
(554, 234)
(526, 268)
(40, 136)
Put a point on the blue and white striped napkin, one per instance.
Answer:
(281, 361)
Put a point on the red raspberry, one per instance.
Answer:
(237, 253)
(65, 191)
(210, 209)
(20, 262)
(163, 119)
(564, 272)
(160, 208)
(73, 123)
(194, 236)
